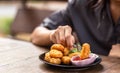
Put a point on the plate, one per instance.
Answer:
(63, 66)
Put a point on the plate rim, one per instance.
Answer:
(68, 66)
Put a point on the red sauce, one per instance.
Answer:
(76, 59)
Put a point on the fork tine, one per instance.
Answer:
(78, 46)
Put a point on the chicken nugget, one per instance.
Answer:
(56, 54)
(66, 51)
(58, 47)
(47, 57)
(66, 60)
(85, 51)
(74, 54)
(55, 60)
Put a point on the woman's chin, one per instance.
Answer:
(78, 62)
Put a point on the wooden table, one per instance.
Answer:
(23, 57)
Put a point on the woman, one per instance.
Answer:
(94, 21)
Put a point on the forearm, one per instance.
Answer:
(41, 36)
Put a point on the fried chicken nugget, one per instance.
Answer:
(47, 57)
(55, 60)
(66, 51)
(74, 54)
(66, 60)
(56, 54)
(58, 47)
(85, 51)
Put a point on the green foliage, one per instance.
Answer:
(73, 50)
(5, 24)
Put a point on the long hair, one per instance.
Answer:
(95, 3)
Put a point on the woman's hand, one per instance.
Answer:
(63, 35)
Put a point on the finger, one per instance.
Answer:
(70, 42)
(57, 36)
(62, 36)
(68, 31)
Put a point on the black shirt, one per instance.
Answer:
(94, 26)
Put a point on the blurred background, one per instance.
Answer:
(18, 18)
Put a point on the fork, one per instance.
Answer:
(78, 45)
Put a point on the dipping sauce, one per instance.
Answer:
(76, 58)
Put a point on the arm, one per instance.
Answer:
(44, 37)
(54, 29)
(41, 36)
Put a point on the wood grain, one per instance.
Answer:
(23, 57)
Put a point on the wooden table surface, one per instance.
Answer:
(23, 57)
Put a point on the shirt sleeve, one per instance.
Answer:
(58, 18)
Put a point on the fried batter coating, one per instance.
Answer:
(55, 60)
(73, 54)
(47, 57)
(85, 51)
(56, 54)
(58, 47)
(66, 60)
(66, 51)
